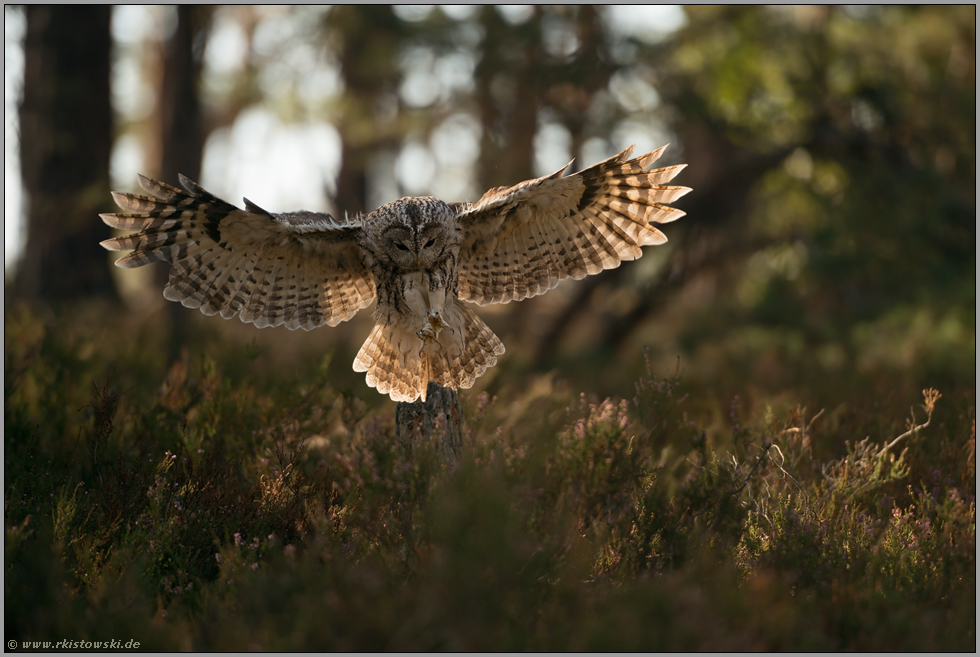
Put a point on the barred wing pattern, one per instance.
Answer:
(298, 269)
(417, 256)
(519, 242)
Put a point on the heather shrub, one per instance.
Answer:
(193, 508)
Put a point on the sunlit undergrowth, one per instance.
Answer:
(191, 510)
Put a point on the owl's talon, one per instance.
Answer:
(435, 320)
(426, 335)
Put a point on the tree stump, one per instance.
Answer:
(438, 418)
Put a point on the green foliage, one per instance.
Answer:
(848, 242)
(193, 510)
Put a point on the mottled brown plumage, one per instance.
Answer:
(419, 257)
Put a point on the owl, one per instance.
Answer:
(423, 260)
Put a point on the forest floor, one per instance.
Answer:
(221, 503)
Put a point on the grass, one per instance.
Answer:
(214, 505)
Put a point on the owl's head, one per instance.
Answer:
(412, 233)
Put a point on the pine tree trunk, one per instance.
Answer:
(66, 141)
(369, 38)
(181, 130)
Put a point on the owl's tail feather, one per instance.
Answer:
(400, 365)
(390, 356)
(459, 363)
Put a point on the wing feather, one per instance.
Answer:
(214, 294)
(576, 258)
(291, 301)
(187, 289)
(540, 259)
(553, 262)
(600, 236)
(240, 287)
(301, 269)
(519, 242)
(252, 304)
(265, 304)
(525, 246)
(621, 246)
(514, 278)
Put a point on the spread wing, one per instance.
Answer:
(520, 241)
(301, 269)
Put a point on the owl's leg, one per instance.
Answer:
(437, 303)
(415, 296)
(427, 335)
(430, 331)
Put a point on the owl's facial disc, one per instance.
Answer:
(429, 238)
(415, 232)
(402, 246)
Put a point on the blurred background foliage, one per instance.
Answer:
(832, 152)
(828, 261)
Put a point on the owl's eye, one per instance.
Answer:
(429, 243)
(401, 246)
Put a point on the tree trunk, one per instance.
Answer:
(370, 38)
(181, 125)
(437, 418)
(181, 129)
(508, 98)
(66, 141)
